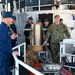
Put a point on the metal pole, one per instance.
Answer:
(25, 7)
(19, 4)
(15, 7)
(19, 50)
(9, 7)
(6, 5)
(24, 52)
(17, 66)
(39, 5)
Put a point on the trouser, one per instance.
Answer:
(55, 47)
(5, 68)
(13, 43)
(27, 42)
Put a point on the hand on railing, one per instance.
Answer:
(15, 52)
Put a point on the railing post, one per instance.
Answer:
(39, 5)
(24, 52)
(19, 50)
(17, 66)
(17, 62)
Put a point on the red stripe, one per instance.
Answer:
(66, 71)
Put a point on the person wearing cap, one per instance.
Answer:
(39, 22)
(13, 29)
(27, 33)
(56, 33)
(5, 44)
(45, 26)
(61, 20)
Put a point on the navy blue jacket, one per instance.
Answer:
(46, 27)
(27, 33)
(5, 43)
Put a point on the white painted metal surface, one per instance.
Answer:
(66, 49)
(19, 62)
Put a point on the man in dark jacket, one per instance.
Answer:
(45, 26)
(5, 44)
(13, 27)
(27, 33)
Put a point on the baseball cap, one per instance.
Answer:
(8, 15)
(46, 20)
(39, 20)
(30, 18)
(57, 16)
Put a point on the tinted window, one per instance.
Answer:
(22, 4)
(44, 2)
(35, 2)
(67, 1)
(31, 2)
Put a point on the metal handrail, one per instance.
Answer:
(25, 66)
(69, 66)
(17, 62)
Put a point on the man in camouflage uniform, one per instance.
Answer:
(56, 31)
